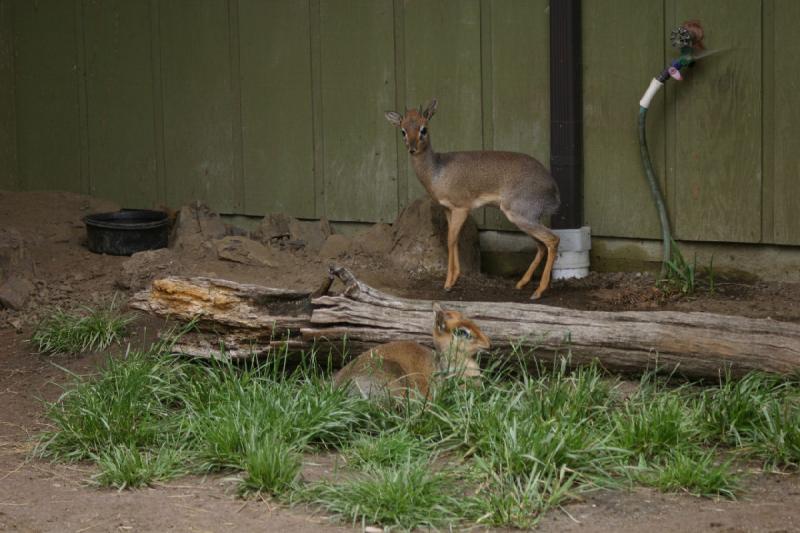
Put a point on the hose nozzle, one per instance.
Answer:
(690, 34)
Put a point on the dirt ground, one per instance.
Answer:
(42, 236)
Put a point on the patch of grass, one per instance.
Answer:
(122, 466)
(385, 450)
(271, 466)
(518, 501)
(682, 276)
(655, 423)
(775, 438)
(732, 410)
(499, 452)
(130, 403)
(80, 330)
(407, 496)
(230, 408)
(697, 473)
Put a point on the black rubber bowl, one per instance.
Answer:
(127, 231)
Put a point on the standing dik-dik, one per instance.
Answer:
(517, 183)
(399, 367)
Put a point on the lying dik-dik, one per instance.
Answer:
(517, 183)
(398, 367)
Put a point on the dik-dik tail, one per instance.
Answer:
(397, 368)
(460, 181)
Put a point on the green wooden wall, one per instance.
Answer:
(257, 106)
(8, 123)
(725, 141)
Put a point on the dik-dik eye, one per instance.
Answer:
(463, 333)
(403, 132)
(423, 130)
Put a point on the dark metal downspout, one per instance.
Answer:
(566, 114)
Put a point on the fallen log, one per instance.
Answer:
(696, 344)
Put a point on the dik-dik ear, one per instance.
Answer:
(431, 109)
(439, 318)
(393, 118)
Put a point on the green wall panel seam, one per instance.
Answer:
(16, 178)
(767, 122)
(400, 102)
(315, 64)
(158, 100)
(234, 38)
(83, 103)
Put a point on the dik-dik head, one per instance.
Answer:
(414, 127)
(453, 332)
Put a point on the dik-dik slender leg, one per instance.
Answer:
(551, 241)
(541, 250)
(544, 239)
(455, 223)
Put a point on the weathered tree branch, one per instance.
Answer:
(255, 319)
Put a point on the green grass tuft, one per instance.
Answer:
(410, 495)
(80, 330)
(385, 450)
(271, 466)
(499, 452)
(697, 473)
(122, 466)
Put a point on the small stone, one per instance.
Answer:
(245, 251)
(335, 246)
(420, 240)
(14, 292)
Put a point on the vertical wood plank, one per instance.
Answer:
(234, 49)
(783, 195)
(618, 67)
(198, 103)
(47, 99)
(443, 57)
(404, 174)
(519, 84)
(8, 122)
(718, 127)
(158, 100)
(315, 43)
(121, 137)
(83, 113)
(277, 119)
(357, 77)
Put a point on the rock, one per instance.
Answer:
(336, 246)
(196, 226)
(281, 229)
(143, 267)
(420, 240)
(12, 252)
(376, 241)
(15, 323)
(245, 251)
(273, 228)
(15, 292)
(313, 233)
(232, 230)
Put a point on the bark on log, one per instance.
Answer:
(698, 344)
(240, 320)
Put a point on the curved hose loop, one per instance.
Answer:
(666, 232)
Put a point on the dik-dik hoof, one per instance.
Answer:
(536, 295)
